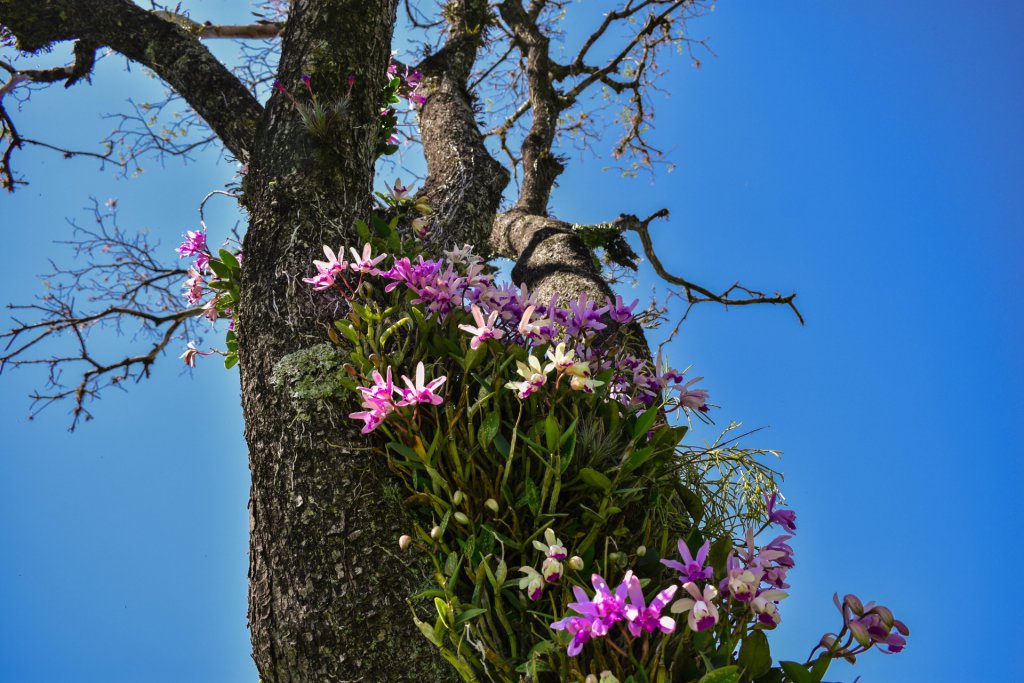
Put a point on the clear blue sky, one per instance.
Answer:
(869, 155)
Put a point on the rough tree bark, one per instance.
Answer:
(328, 588)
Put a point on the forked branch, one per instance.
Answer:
(734, 295)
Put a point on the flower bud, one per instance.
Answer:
(617, 558)
(501, 573)
(641, 551)
(860, 632)
(854, 603)
(435, 533)
(491, 505)
(885, 614)
(457, 498)
(404, 541)
(591, 678)
(608, 677)
(576, 562)
(461, 518)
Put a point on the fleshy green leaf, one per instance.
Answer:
(797, 673)
(727, 674)
(592, 477)
(488, 429)
(755, 654)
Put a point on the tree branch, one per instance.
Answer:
(261, 30)
(540, 166)
(464, 182)
(123, 287)
(691, 291)
(174, 54)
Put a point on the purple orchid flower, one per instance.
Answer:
(372, 418)
(605, 609)
(691, 568)
(620, 312)
(784, 518)
(579, 628)
(363, 263)
(643, 618)
(585, 316)
(421, 391)
(327, 271)
(195, 243)
(484, 329)
(700, 606)
(382, 392)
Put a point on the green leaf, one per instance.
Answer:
(488, 429)
(552, 433)
(230, 360)
(219, 269)
(229, 260)
(797, 673)
(345, 327)
(592, 477)
(727, 674)
(692, 502)
(363, 230)
(428, 630)
(755, 654)
(820, 667)
(404, 450)
(645, 421)
(451, 564)
(468, 614)
(639, 457)
(443, 611)
(773, 676)
(532, 496)
(502, 445)
(719, 554)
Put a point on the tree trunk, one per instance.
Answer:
(328, 588)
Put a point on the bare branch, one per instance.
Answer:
(120, 287)
(692, 292)
(261, 30)
(174, 54)
(540, 166)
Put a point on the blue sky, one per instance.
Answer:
(868, 155)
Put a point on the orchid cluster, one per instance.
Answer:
(379, 399)
(403, 83)
(531, 440)
(743, 603)
(214, 276)
(863, 627)
(559, 340)
(552, 568)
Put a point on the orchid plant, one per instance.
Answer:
(571, 534)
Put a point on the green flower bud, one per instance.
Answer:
(457, 498)
(404, 541)
(461, 518)
(641, 551)
(501, 573)
(492, 505)
(435, 533)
